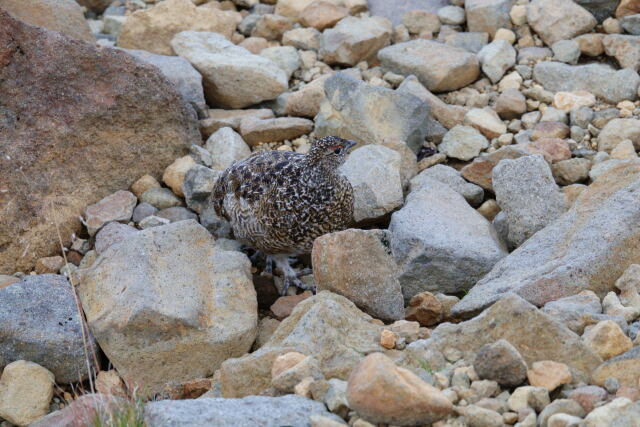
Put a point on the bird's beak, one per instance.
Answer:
(349, 144)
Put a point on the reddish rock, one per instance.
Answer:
(81, 412)
(79, 122)
(284, 305)
(51, 264)
(550, 130)
(553, 149)
(588, 396)
(425, 309)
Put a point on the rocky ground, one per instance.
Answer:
(492, 276)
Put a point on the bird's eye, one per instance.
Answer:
(338, 150)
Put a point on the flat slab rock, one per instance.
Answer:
(290, 410)
(587, 248)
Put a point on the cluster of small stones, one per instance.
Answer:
(524, 119)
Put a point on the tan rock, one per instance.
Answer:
(174, 173)
(381, 392)
(266, 327)
(307, 39)
(625, 368)
(388, 339)
(146, 182)
(286, 374)
(448, 115)
(284, 305)
(358, 265)
(306, 101)
(480, 170)
(511, 104)
(627, 7)
(486, 121)
(322, 14)
(591, 44)
(255, 45)
(572, 192)
(152, 29)
(26, 389)
(355, 39)
(567, 101)
(65, 16)
(549, 374)
(271, 26)
(109, 382)
(425, 309)
(219, 118)
(51, 264)
(607, 339)
(550, 130)
(255, 131)
(489, 209)
(419, 21)
(625, 48)
(618, 130)
(624, 150)
(555, 20)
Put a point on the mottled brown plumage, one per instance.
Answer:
(278, 202)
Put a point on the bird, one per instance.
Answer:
(279, 202)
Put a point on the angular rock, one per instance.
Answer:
(64, 16)
(448, 115)
(306, 101)
(381, 392)
(625, 48)
(40, 323)
(576, 311)
(488, 16)
(82, 411)
(226, 147)
(302, 38)
(441, 243)
(501, 362)
(233, 77)
(450, 176)
(600, 9)
(177, 213)
(397, 116)
(480, 171)
(528, 195)
(358, 265)
(601, 80)
(283, 307)
(354, 40)
(290, 410)
(322, 14)
(271, 26)
(26, 389)
(439, 67)
(618, 412)
(618, 130)
(174, 174)
(534, 334)
(567, 51)
(625, 368)
(421, 21)
(374, 173)
(256, 131)
(152, 29)
(486, 121)
(536, 398)
(425, 308)
(286, 57)
(496, 58)
(211, 316)
(575, 242)
(327, 326)
(549, 374)
(182, 74)
(463, 143)
(607, 339)
(115, 105)
(112, 233)
(219, 119)
(511, 104)
(198, 185)
(588, 396)
(559, 20)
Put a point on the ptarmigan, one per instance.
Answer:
(278, 202)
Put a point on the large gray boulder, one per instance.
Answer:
(533, 333)
(587, 248)
(233, 76)
(602, 80)
(528, 195)
(348, 112)
(290, 410)
(167, 304)
(440, 242)
(40, 322)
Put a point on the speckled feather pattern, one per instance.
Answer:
(278, 202)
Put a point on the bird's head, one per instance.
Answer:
(330, 151)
